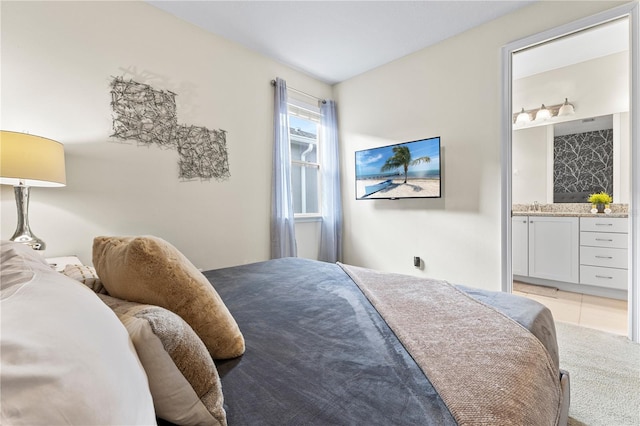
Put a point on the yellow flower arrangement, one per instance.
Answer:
(600, 198)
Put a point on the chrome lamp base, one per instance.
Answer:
(23, 233)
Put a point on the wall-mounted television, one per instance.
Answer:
(402, 170)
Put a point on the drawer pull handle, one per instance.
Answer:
(604, 239)
(604, 257)
(602, 276)
(604, 224)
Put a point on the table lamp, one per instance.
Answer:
(25, 161)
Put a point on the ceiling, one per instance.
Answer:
(601, 40)
(336, 40)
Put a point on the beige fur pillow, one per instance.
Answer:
(183, 379)
(150, 270)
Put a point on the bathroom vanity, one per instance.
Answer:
(567, 247)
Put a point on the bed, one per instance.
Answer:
(282, 342)
(319, 353)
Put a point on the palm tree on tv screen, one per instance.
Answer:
(402, 158)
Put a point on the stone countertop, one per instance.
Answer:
(567, 210)
(568, 214)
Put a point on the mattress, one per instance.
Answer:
(318, 353)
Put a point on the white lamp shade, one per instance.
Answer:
(543, 114)
(31, 160)
(523, 117)
(566, 108)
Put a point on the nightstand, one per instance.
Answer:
(59, 263)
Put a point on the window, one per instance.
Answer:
(304, 123)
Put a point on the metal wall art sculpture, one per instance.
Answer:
(148, 116)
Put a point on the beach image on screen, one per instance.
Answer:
(405, 170)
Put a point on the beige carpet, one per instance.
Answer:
(605, 376)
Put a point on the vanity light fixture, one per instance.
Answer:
(543, 113)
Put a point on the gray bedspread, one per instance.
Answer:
(318, 353)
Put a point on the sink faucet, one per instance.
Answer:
(536, 206)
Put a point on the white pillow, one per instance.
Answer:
(182, 377)
(86, 275)
(65, 357)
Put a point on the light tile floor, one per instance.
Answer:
(581, 309)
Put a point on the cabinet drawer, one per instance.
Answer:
(604, 277)
(604, 224)
(600, 256)
(604, 239)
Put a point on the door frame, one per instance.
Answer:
(631, 11)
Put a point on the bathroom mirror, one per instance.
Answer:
(565, 162)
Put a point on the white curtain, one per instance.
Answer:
(331, 228)
(283, 236)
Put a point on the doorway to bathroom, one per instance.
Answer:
(569, 134)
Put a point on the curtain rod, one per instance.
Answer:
(273, 83)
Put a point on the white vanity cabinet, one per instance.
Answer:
(587, 254)
(520, 245)
(553, 248)
(604, 252)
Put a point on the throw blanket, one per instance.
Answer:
(486, 367)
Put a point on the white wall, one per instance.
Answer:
(622, 180)
(58, 59)
(596, 87)
(308, 238)
(450, 90)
